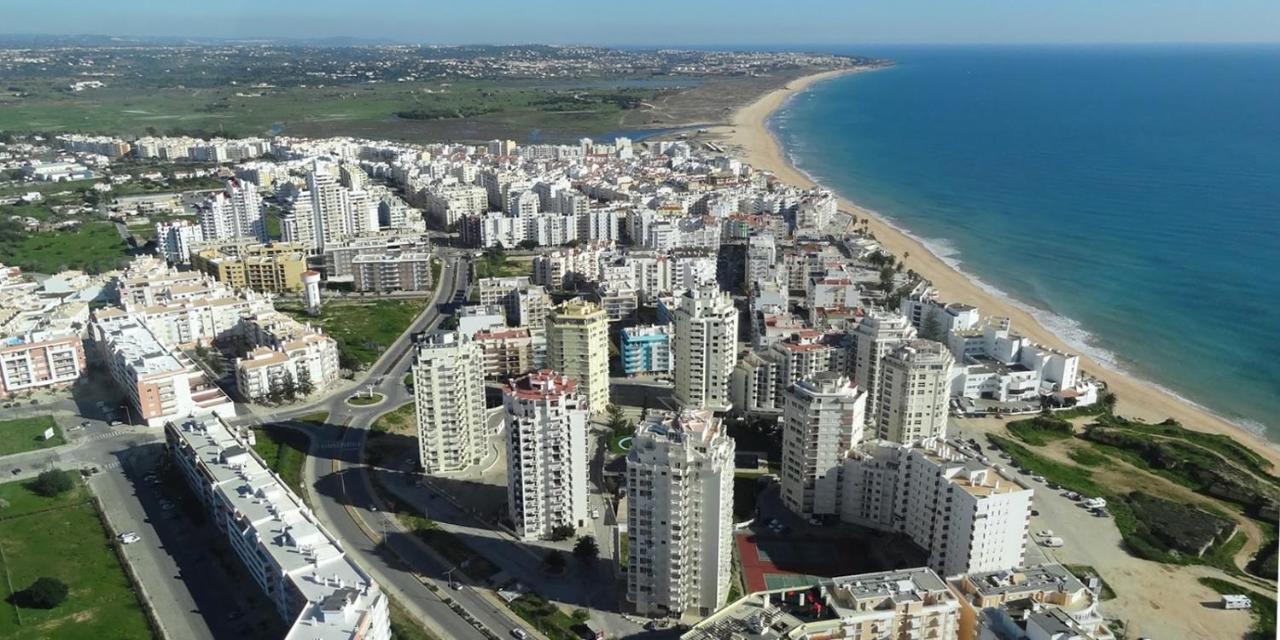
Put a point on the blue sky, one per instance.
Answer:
(660, 22)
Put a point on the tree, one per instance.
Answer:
(44, 593)
(617, 420)
(562, 532)
(931, 327)
(528, 245)
(274, 391)
(554, 561)
(586, 549)
(886, 278)
(1109, 400)
(304, 382)
(288, 388)
(52, 483)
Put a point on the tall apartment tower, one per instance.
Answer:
(330, 209)
(234, 213)
(879, 333)
(823, 417)
(915, 385)
(448, 391)
(578, 347)
(679, 513)
(704, 348)
(547, 454)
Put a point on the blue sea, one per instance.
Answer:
(1130, 195)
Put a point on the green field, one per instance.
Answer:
(63, 538)
(94, 247)
(284, 451)
(501, 266)
(27, 434)
(364, 329)
(410, 109)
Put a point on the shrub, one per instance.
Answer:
(44, 593)
(52, 483)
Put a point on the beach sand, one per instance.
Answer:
(749, 136)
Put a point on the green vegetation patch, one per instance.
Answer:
(364, 399)
(497, 265)
(285, 451)
(27, 434)
(545, 617)
(364, 329)
(1171, 531)
(93, 247)
(1263, 609)
(63, 538)
(1088, 457)
(1069, 476)
(1041, 430)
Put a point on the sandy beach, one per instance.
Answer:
(752, 139)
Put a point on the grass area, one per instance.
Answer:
(1223, 556)
(1263, 610)
(1040, 430)
(408, 381)
(64, 538)
(1084, 572)
(364, 399)
(1225, 445)
(403, 626)
(402, 419)
(545, 617)
(436, 267)
(27, 434)
(94, 247)
(496, 265)
(1068, 476)
(284, 451)
(1088, 457)
(400, 110)
(364, 329)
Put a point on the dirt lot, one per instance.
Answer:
(1155, 600)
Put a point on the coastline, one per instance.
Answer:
(749, 134)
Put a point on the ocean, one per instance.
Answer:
(1130, 195)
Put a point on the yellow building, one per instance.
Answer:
(578, 347)
(270, 268)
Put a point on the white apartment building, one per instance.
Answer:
(578, 347)
(908, 604)
(878, 334)
(762, 265)
(160, 384)
(966, 514)
(448, 392)
(387, 272)
(704, 348)
(38, 360)
(502, 292)
(175, 238)
(546, 423)
(290, 351)
(297, 564)
(915, 385)
(599, 226)
(822, 418)
(234, 213)
(449, 204)
(679, 514)
(543, 229)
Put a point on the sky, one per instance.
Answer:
(665, 22)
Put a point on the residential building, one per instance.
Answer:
(160, 384)
(915, 384)
(578, 347)
(300, 568)
(878, 334)
(965, 513)
(892, 605)
(478, 317)
(546, 424)
(39, 360)
(389, 272)
(268, 268)
(646, 349)
(175, 238)
(705, 341)
(822, 418)
(236, 212)
(507, 352)
(679, 514)
(1045, 601)
(448, 393)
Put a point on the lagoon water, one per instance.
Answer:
(1130, 194)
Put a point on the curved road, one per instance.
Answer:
(341, 491)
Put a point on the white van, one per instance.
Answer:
(1054, 542)
(1236, 601)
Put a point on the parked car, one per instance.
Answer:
(519, 634)
(1053, 542)
(129, 537)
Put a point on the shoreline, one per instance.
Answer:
(752, 139)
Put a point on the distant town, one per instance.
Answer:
(359, 388)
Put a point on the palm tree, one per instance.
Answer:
(586, 549)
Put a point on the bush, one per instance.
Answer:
(52, 483)
(1040, 430)
(562, 532)
(44, 593)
